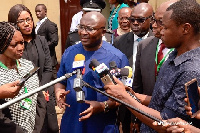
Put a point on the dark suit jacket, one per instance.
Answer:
(125, 44)
(144, 78)
(50, 31)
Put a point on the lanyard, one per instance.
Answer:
(4, 66)
(163, 59)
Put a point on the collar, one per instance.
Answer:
(42, 21)
(144, 37)
(189, 55)
(159, 41)
(121, 32)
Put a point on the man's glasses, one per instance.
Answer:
(88, 29)
(22, 21)
(158, 21)
(139, 20)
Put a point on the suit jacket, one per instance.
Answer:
(50, 31)
(144, 78)
(125, 44)
(44, 74)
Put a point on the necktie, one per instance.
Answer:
(160, 53)
(159, 56)
(139, 39)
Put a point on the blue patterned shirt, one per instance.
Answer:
(169, 91)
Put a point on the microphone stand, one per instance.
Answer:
(122, 102)
(66, 76)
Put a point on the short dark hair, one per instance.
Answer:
(43, 6)
(120, 1)
(186, 11)
(15, 12)
(7, 31)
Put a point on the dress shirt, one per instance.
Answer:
(39, 23)
(169, 91)
(135, 48)
(76, 20)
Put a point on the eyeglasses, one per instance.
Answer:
(22, 21)
(158, 21)
(139, 20)
(88, 29)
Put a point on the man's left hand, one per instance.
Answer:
(95, 107)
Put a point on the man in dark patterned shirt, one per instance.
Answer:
(180, 31)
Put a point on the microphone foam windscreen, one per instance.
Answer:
(79, 57)
(112, 65)
(130, 71)
(93, 63)
(124, 72)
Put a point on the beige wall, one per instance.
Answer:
(53, 12)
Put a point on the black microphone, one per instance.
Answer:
(124, 74)
(79, 65)
(103, 71)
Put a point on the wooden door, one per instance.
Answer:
(67, 11)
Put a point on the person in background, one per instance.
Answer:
(123, 20)
(112, 20)
(95, 5)
(131, 3)
(127, 43)
(49, 30)
(88, 6)
(12, 68)
(181, 32)
(149, 50)
(36, 50)
(97, 114)
(140, 26)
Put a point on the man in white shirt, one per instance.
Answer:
(88, 5)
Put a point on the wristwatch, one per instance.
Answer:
(106, 107)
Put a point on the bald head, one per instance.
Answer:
(156, 24)
(91, 30)
(125, 10)
(97, 17)
(140, 19)
(162, 8)
(123, 16)
(143, 8)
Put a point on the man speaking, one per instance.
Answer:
(97, 114)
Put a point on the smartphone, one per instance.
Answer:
(192, 93)
(107, 80)
(28, 75)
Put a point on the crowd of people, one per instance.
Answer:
(161, 46)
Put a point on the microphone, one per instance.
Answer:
(124, 74)
(102, 71)
(79, 66)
